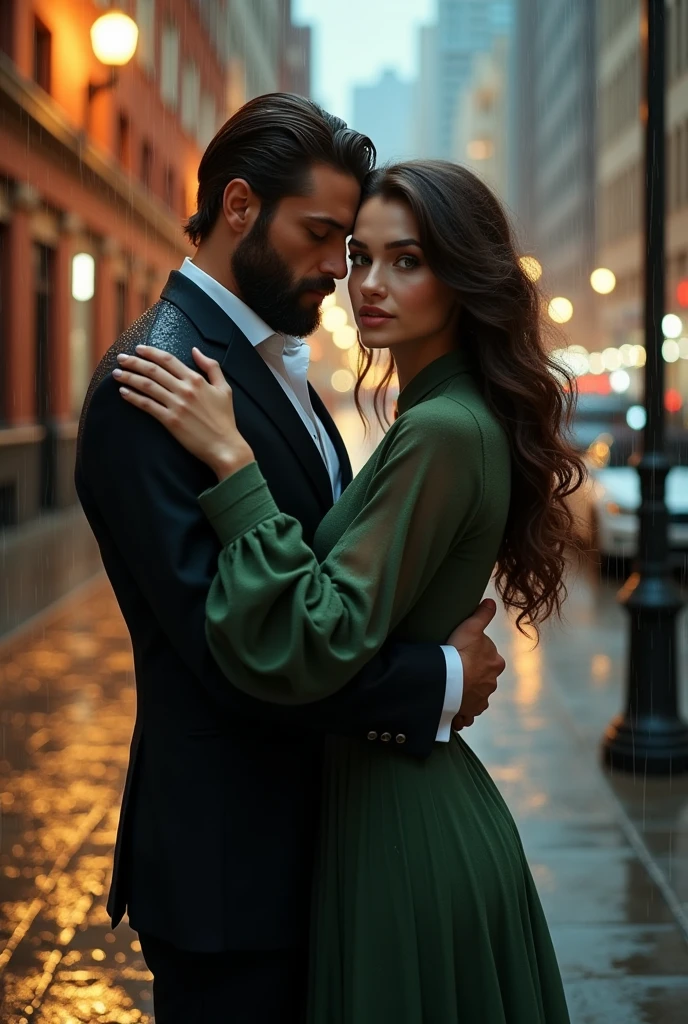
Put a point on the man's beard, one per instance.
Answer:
(267, 286)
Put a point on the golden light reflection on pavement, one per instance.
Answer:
(67, 699)
(66, 717)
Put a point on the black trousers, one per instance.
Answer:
(238, 987)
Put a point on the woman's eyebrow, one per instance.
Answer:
(359, 245)
(402, 243)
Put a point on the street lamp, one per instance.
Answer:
(650, 736)
(114, 37)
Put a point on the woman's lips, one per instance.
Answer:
(372, 317)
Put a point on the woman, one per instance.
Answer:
(425, 909)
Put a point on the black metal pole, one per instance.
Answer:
(650, 737)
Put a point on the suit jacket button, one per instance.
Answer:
(400, 738)
(386, 737)
(372, 735)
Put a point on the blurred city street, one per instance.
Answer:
(610, 856)
(560, 108)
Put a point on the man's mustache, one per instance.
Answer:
(317, 284)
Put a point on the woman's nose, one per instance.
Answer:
(373, 284)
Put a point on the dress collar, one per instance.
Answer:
(431, 377)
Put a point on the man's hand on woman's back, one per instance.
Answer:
(482, 663)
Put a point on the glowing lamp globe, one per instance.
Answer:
(114, 37)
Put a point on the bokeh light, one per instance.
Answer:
(333, 318)
(560, 310)
(611, 359)
(670, 351)
(603, 280)
(342, 380)
(531, 267)
(619, 381)
(636, 417)
(344, 337)
(672, 326)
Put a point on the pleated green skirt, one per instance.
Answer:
(425, 910)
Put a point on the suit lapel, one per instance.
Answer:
(330, 426)
(244, 367)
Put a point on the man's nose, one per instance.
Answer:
(334, 264)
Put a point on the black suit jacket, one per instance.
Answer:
(216, 835)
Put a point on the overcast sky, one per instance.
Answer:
(354, 40)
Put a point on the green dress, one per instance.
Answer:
(425, 911)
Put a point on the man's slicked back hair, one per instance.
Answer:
(272, 142)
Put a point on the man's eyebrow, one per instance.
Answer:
(322, 219)
(401, 244)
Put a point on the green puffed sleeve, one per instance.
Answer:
(288, 629)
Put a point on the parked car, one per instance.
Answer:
(607, 505)
(596, 414)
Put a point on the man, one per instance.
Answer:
(215, 844)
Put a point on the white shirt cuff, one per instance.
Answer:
(453, 694)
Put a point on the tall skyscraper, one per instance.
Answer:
(621, 172)
(464, 29)
(426, 96)
(481, 137)
(554, 79)
(383, 111)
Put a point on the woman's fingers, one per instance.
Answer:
(146, 386)
(145, 368)
(210, 367)
(175, 367)
(153, 408)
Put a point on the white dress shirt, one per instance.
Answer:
(288, 358)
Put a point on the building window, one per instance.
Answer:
(169, 66)
(7, 27)
(170, 187)
(81, 328)
(124, 141)
(120, 307)
(206, 120)
(145, 19)
(191, 92)
(43, 275)
(3, 323)
(41, 54)
(146, 164)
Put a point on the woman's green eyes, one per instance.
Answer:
(359, 259)
(411, 262)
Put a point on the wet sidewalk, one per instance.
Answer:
(610, 856)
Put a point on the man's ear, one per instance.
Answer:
(240, 206)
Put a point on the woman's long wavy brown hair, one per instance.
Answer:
(468, 244)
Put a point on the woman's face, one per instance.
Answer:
(396, 298)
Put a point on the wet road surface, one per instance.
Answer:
(610, 856)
